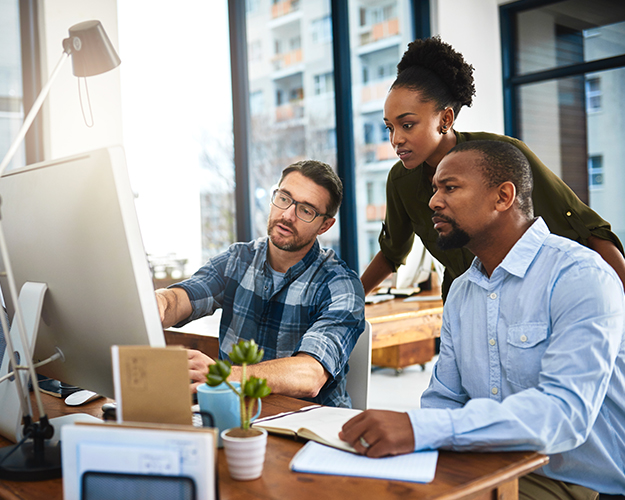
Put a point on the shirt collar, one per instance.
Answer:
(522, 254)
(296, 270)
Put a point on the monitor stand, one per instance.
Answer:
(38, 458)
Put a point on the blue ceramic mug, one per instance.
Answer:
(223, 404)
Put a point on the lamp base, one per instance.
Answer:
(23, 463)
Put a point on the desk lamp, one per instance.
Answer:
(33, 458)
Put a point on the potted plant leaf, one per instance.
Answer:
(244, 446)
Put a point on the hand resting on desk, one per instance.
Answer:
(198, 368)
(299, 376)
(378, 433)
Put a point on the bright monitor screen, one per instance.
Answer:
(72, 224)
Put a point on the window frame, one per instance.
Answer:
(345, 154)
(31, 77)
(513, 81)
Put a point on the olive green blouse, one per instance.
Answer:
(408, 193)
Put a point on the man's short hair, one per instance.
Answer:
(323, 175)
(504, 162)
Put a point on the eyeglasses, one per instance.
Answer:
(302, 210)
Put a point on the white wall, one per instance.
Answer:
(65, 131)
(472, 28)
(168, 203)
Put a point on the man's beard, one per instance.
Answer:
(457, 238)
(296, 243)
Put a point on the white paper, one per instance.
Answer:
(423, 298)
(418, 467)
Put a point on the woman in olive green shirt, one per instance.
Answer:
(432, 84)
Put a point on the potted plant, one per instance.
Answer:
(244, 446)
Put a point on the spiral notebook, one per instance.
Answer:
(315, 458)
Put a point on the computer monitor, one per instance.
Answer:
(71, 224)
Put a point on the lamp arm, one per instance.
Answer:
(21, 390)
(32, 113)
(24, 401)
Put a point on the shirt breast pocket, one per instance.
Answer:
(527, 343)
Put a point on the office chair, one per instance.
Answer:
(359, 374)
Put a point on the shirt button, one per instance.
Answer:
(493, 295)
(492, 342)
(523, 338)
(568, 214)
(494, 390)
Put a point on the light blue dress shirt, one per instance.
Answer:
(533, 358)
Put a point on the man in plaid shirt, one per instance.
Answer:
(298, 301)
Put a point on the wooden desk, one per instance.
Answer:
(403, 333)
(458, 475)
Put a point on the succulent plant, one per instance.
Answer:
(246, 352)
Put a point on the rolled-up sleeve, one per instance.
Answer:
(338, 322)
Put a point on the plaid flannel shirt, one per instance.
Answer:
(317, 309)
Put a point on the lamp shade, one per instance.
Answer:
(91, 50)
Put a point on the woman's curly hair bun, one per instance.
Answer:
(449, 65)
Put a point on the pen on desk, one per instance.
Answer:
(303, 410)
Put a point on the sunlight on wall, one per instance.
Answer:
(176, 92)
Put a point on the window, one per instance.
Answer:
(11, 106)
(377, 14)
(185, 186)
(277, 47)
(330, 142)
(384, 132)
(381, 21)
(369, 135)
(593, 94)
(555, 96)
(252, 6)
(255, 51)
(389, 12)
(321, 30)
(292, 127)
(280, 97)
(324, 84)
(386, 71)
(257, 102)
(298, 119)
(370, 197)
(595, 172)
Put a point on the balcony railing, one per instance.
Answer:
(375, 91)
(283, 8)
(375, 212)
(379, 152)
(290, 111)
(286, 59)
(379, 31)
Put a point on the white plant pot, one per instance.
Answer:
(245, 455)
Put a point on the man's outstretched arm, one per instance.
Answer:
(300, 376)
(173, 305)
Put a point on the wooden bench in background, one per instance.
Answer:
(404, 333)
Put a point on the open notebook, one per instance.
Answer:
(318, 423)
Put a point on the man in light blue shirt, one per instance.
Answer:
(532, 350)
